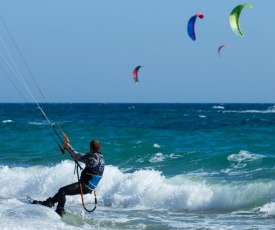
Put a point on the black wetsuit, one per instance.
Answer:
(90, 176)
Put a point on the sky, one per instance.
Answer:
(86, 51)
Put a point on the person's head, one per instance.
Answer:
(95, 146)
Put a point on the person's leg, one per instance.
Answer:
(60, 197)
(49, 202)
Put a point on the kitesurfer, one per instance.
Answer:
(90, 176)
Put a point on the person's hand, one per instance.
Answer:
(67, 141)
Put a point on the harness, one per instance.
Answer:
(93, 182)
(77, 168)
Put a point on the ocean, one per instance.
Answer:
(168, 166)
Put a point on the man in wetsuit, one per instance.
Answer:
(90, 176)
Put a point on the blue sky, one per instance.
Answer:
(86, 51)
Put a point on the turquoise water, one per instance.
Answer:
(169, 166)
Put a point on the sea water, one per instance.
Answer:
(168, 166)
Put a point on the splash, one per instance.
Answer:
(241, 159)
(147, 189)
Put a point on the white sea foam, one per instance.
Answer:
(159, 157)
(38, 123)
(268, 110)
(271, 108)
(268, 208)
(243, 157)
(140, 190)
(7, 121)
(156, 145)
(218, 107)
(123, 189)
(240, 161)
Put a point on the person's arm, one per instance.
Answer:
(76, 155)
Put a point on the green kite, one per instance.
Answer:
(234, 18)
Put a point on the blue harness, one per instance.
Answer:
(93, 182)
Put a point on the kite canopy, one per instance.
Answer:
(234, 18)
(135, 73)
(219, 49)
(191, 26)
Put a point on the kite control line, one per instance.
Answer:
(14, 70)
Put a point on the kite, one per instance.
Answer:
(234, 18)
(135, 73)
(191, 26)
(219, 49)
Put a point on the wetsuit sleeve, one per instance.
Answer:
(76, 155)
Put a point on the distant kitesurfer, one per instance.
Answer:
(90, 176)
